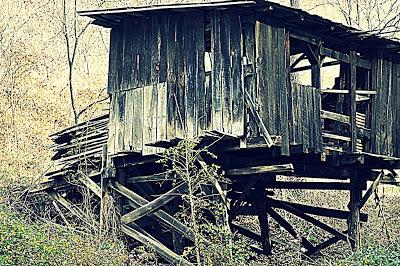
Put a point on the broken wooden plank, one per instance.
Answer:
(145, 238)
(155, 204)
(160, 215)
(284, 168)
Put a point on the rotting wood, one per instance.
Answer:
(371, 189)
(284, 168)
(260, 205)
(142, 236)
(155, 204)
(161, 215)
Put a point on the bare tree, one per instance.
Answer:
(377, 16)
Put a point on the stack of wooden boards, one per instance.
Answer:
(78, 149)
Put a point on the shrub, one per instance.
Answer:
(39, 243)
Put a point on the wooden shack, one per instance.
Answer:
(234, 71)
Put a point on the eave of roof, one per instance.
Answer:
(304, 20)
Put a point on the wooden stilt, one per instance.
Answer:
(259, 200)
(354, 217)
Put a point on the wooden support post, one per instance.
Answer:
(316, 83)
(259, 200)
(353, 103)
(354, 217)
(103, 186)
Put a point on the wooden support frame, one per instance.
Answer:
(142, 236)
(354, 217)
(312, 220)
(137, 201)
(259, 201)
(284, 168)
(155, 204)
(353, 100)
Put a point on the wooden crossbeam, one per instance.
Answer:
(258, 120)
(297, 61)
(50, 184)
(327, 243)
(72, 208)
(371, 189)
(151, 178)
(284, 168)
(155, 204)
(137, 201)
(90, 184)
(312, 220)
(320, 211)
(289, 228)
(142, 236)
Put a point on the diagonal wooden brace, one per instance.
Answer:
(155, 204)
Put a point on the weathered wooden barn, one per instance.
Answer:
(251, 75)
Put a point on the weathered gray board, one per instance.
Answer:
(158, 84)
(272, 85)
(306, 128)
(386, 107)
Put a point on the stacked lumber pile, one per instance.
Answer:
(79, 148)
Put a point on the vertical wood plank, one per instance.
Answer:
(149, 118)
(120, 125)
(128, 121)
(283, 92)
(162, 112)
(113, 58)
(226, 74)
(216, 71)
(137, 119)
(171, 77)
(180, 93)
(112, 125)
(200, 79)
(236, 47)
(120, 51)
(353, 103)
(249, 81)
(126, 59)
(190, 66)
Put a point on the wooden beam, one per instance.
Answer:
(258, 120)
(354, 217)
(72, 208)
(289, 228)
(155, 204)
(320, 211)
(329, 242)
(90, 184)
(297, 61)
(353, 102)
(169, 175)
(312, 220)
(284, 168)
(145, 238)
(259, 201)
(371, 189)
(303, 68)
(344, 91)
(344, 57)
(137, 201)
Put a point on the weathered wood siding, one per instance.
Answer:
(386, 107)
(158, 85)
(273, 88)
(306, 114)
